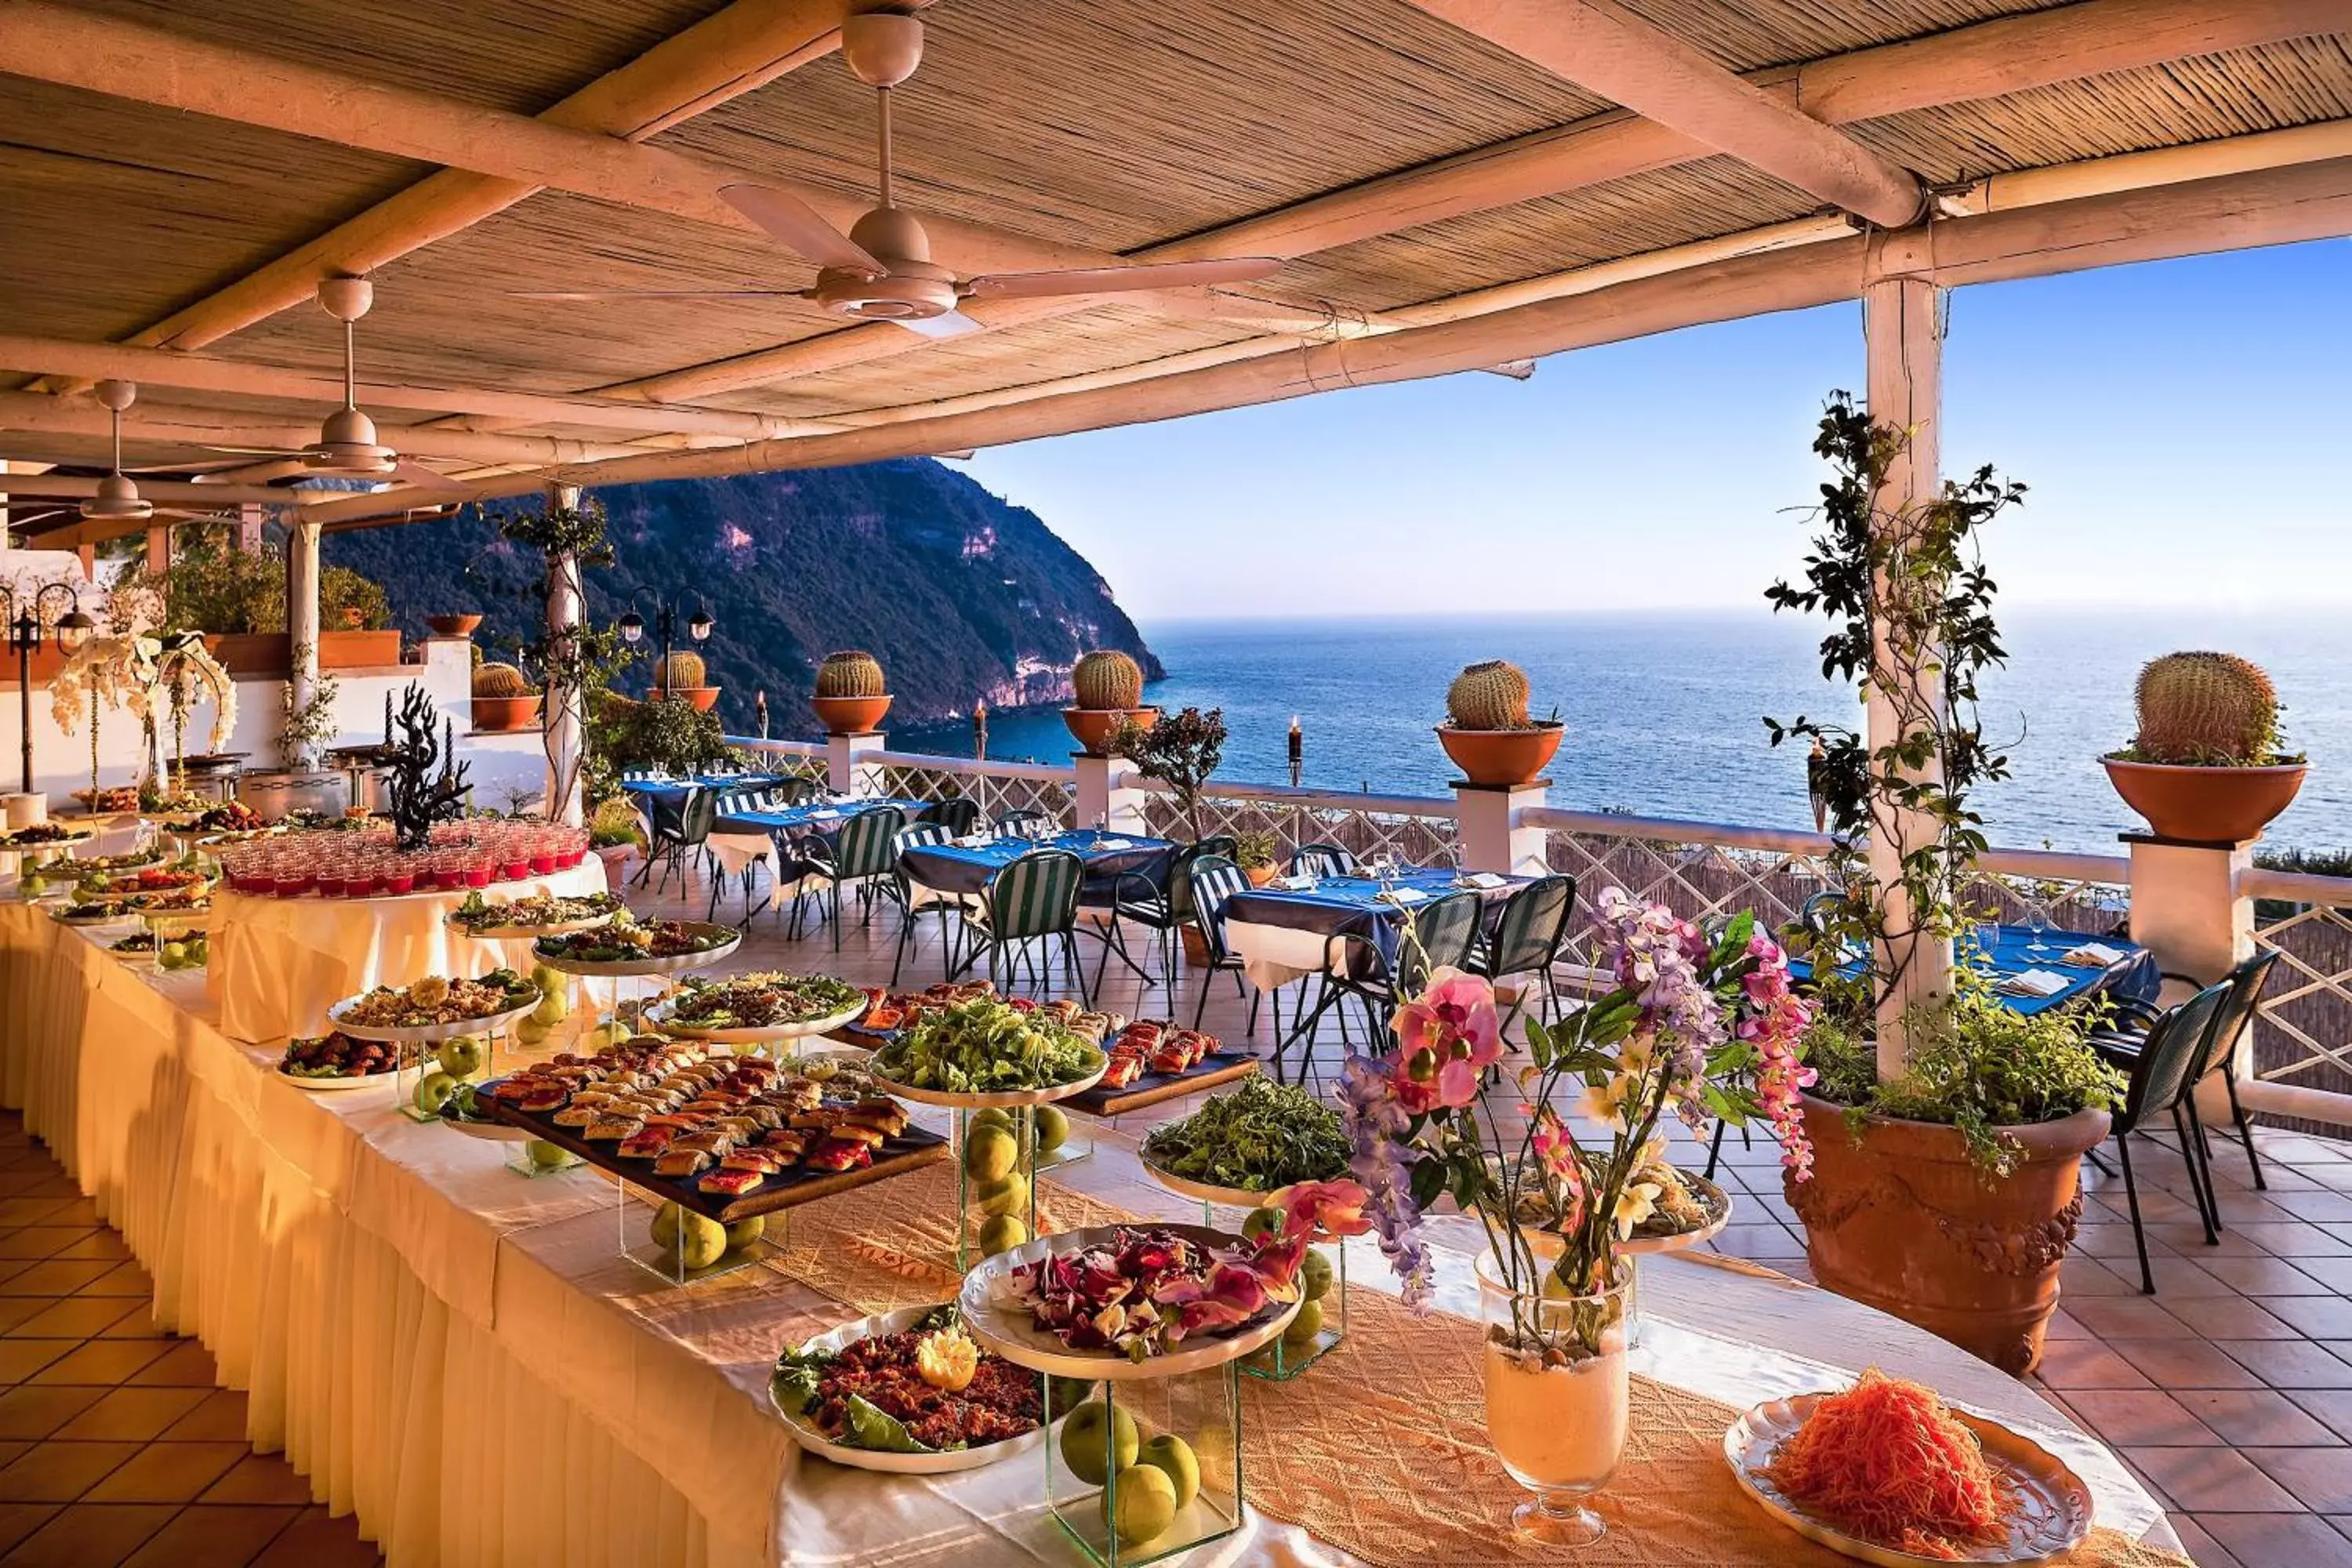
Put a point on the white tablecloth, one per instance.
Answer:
(458, 1355)
(1275, 955)
(277, 964)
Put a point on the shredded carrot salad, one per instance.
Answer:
(1886, 1461)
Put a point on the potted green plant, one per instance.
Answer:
(615, 838)
(1256, 854)
(1487, 733)
(1109, 686)
(681, 677)
(1947, 1131)
(360, 617)
(503, 699)
(2205, 765)
(851, 693)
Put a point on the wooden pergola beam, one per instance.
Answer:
(1988, 59)
(169, 493)
(62, 357)
(749, 44)
(1598, 45)
(2308, 201)
(41, 414)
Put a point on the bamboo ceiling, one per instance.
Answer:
(1114, 125)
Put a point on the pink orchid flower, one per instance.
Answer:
(1455, 1009)
(1322, 1209)
(1232, 1293)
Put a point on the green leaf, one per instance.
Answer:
(870, 1427)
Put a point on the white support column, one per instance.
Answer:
(1493, 836)
(1110, 791)
(1903, 347)
(845, 770)
(2187, 909)
(563, 712)
(159, 548)
(302, 628)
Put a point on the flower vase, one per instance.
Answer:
(1556, 1398)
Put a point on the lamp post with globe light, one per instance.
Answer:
(73, 629)
(698, 626)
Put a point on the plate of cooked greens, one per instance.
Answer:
(542, 914)
(987, 1052)
(1248, 1142)
(629, 947)
(751, 1009)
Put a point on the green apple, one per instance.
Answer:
(1007, 1195)
(1093, 1430)
(1260, 1221)
(1303, 1328)
(462, 1058)
(171, 955)
(702, 1242)
(992, 1116)
(1315, 1276)
(665, 1224)
(435, 1090)
(990, 1153)
(32, 885)
(1001, 1234)
(546, 1156)
(1171, 1453)
(744, 1231)
(1147, 1504)
(529, 1031)
(1053, 1128)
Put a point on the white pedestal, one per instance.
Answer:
(846, 770)
(2187, 909)
(1110, 791)
(1492, 838)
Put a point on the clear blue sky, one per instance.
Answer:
(2186, 427)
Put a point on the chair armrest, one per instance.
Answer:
(1335, 950)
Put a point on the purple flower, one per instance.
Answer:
(1376, 1127)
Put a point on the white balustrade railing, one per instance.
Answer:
(1416, 829)
(2302, 1036)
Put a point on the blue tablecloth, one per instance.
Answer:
(961, 868)
(1354, 905)
(2135, 975)
(823, 818)
(658, 788)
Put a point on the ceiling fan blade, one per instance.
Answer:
(1120, 279)
(939, 328)
(801, 227)
(411, 471)
(581, 294)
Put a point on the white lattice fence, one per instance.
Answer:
(1417, 832)
(999, 787)
(2303, 1035)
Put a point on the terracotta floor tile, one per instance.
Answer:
(2187, 1363)
(58, 1277)
(139, 1323)
(221, 1417)
(2267, 1276)
(41, 1241)
(123, 1279)
(2319, 1478)
(2081, 1278)
(2321, 1205)
(225, 1536)
(19, 1519)
(2070, 1364)
(2111, 1240)
(60, 1472)
(20, 1359)
(2246, 1416)
(186, 1364)
(139, 1414)
(15, 1310)
(2062, 1326)
(35, 1413)
(2290, 1363)
(2141, 1416)
(2319, 1316)
(2332, 1273)
(2292, 1239)
(2213, 1480)
(2330, 1407)
(42, 1211)
(260, 1478)
(75, 1318)
(315, 1541)
(2278, 1539)
(91, 1535)
(2128, 1317)
(2233, 1317)
(84, 1212)
(1763, 1242)
(110, 1361)
(168, 1472)
(2202, 1549)
(105, 1244)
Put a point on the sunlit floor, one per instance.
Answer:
(2229, 1391)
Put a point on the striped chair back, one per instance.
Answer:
(1181, 866)
(865, 843)
(736, 802)
(958, 814)
(1323, 860)
(1212, 880)
(915, 836)
(1026, 824)
(1036, 895)
(627, 774)
(1533, 923)
(1445, 934)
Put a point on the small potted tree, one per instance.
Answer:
(851, 694)
(1109, 686)
(1256, 852)
(2206, 764)
(1487, 733)
(680, 677)
(503, 699)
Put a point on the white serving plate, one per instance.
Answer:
(525, 933)
(623, 968)
(658, 1016)
(1002, 1099)
(1207, 1192)
(426, 1034)
(931, 1464)
(1009, 1331)
(337, 1085)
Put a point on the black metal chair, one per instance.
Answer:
(735, 803)
(2163, 1081)
(1214, 879)
(1443, 933)
(958, 814)
(1160, 899)
(2123, 1046)
(1527, 939)
(1033, 899)
(859, 855)
(1027, 823)
(913, 899)
(1324, 859)
(676, 825)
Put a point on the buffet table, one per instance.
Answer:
(277, 964)
(459, 1353)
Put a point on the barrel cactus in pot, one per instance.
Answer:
(682, 676)
(2206, 765)
(503, 699)
(1487, 733)
(1109, 686)
(851, 696)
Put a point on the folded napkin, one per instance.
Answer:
(1403, 896)
(1294, 884)
(1481, 879)
(2093, 955)
(976, 840)
(1114, 844)
(2034, 983)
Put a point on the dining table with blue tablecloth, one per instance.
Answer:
(964, 866)
(1282, 932)
(642, 790)
(2070, 966)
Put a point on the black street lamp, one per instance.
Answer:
(25, 638)
(632, 626)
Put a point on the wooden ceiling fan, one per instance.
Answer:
(882, 270)
(117, 498)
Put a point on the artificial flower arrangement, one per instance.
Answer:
(1700, 1028)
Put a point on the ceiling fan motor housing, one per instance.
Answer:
(117, 501)
(916, 288)
(347, 444)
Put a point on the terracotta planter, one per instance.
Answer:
(2206, 806)
(616, 858)
(1901, 1220)
(251, 653)
(1092, 728)
(851, 715)
(453, 626)
(1262, 876)
(1500, 758)
(358, 650)
(703, 698)
(504, 715)
(1196, 946)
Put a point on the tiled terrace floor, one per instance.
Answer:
(2228, 1392)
